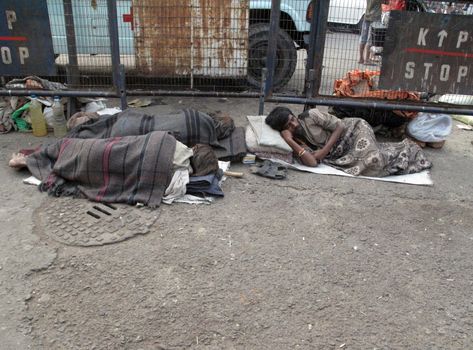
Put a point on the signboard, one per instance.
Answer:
(428, 52)
(25, 38)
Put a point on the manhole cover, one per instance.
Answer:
(83, 223)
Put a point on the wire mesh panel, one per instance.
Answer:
(222, 45)
(81, 42)
(351, 46)
(292, 40)
(189, 43)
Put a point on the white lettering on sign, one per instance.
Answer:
(427, 66)
(11, 18)
(6, 57)
(462, 73)
(462, 37)
(444, 72)
(409, 70)
(23, 53)
(421, 39)
(5, 54)
(442, 35)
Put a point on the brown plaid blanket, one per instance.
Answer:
(130, 169)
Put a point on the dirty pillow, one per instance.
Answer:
(265, 152)
(265, 135)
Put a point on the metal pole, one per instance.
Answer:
(320, 45)
(377, 104)
(264, 73)
(62, 93)
(118, 72)
(122, 87)
(309, 69)
(72, 68)
(315, 54)
(193, 93)
(272, 45)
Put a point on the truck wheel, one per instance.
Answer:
(286, 56)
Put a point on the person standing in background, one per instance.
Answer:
(372, 14)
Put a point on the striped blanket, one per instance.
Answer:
(187, 126)
(130, 169)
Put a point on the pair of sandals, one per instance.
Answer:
(270, 170)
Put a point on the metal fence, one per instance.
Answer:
(282, 50)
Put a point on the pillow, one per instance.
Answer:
(253, 146)
(266, 136)
(265, 152)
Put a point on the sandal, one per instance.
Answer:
(271, 170)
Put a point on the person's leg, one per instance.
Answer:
(362, 53)
(365, 28)
(367, 56)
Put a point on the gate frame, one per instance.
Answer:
(312, 79)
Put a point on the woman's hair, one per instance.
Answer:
(278, 118)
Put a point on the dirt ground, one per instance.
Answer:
(310, 262)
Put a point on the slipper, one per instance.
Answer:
(270, 170)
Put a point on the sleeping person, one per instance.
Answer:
(347, 144)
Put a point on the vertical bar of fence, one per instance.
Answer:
(72, 69)
(272, 46)
(118, 73)
(315, 54)
(264, 73)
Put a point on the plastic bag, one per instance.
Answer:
(430, 127)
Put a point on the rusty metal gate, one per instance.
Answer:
(290, 51)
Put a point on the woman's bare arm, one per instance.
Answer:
(306, 157)
(322, 153)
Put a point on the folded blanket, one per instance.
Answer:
(131, 169)
(205, 185)
(233, 147)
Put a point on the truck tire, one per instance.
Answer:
(286, 56)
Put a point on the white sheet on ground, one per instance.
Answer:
(32, 181)
(423, 178)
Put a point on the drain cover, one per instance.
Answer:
(83, 223)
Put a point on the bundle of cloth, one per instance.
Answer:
(363, 84)
(133, 157)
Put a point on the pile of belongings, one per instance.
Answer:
(363, 84)
(423, 128)
(14, 111)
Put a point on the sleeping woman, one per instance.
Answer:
(347, 144)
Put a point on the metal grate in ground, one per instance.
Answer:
(79, 222)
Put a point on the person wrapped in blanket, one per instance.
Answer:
(131, 158)
(349, 144)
